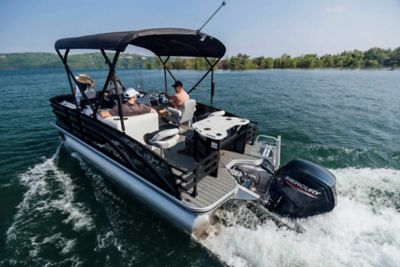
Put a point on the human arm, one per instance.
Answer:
(109, 113)
(104, 114)
(173, 100)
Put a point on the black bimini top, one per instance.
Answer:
(162, 42)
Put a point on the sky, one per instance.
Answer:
(253, 27)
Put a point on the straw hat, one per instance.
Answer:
(84, 78)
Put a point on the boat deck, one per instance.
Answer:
(210, 189)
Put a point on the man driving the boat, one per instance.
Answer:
(180, 96)
(130, 108)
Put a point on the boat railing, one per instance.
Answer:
(131, 153)
(191, 177)
(251, 132)
(267, 147)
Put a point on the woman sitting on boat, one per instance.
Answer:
(85, 84)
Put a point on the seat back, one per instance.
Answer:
(135, 126)
(188, 108)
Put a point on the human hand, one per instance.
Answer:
(105, 114)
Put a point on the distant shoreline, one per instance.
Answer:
(60, 68)
(374, 58)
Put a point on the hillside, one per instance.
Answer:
(356, 59)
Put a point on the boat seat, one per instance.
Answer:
(135, 126)
(253, 164)
(182, 115)
(68, 104)
(163, 139)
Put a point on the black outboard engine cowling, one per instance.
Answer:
(302, 189)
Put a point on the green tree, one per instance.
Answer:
(372, 58)
(309, 61)
(224, 64)
(327, 61)
(287, 62)
(268, 63)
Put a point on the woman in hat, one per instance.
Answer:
(84, 84)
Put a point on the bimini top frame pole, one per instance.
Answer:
(110, 75)
(162, 42)
(211, 69)
(71, 75)
(164, 62)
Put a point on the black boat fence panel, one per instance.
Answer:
(139, 158)
(236, 140)
(251, 133)
(132, 154)
(190, 178)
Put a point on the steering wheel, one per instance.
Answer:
(150, 98)
(152, 95)
(162, 98)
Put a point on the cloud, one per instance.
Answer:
(337, 9)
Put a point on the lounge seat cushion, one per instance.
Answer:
(135, 126)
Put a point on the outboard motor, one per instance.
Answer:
(302, 189)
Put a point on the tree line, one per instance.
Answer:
(355, 59)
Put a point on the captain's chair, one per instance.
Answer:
(182, 115)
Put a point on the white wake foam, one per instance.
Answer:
(37, 181)
(77, 215)
(363, 230)
(120, 222)
(49, 192)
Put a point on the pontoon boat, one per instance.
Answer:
(187, 165)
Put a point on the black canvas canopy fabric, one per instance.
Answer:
(162, 42)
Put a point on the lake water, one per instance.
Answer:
(56, 210)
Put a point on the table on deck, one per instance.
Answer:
(216, 127)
